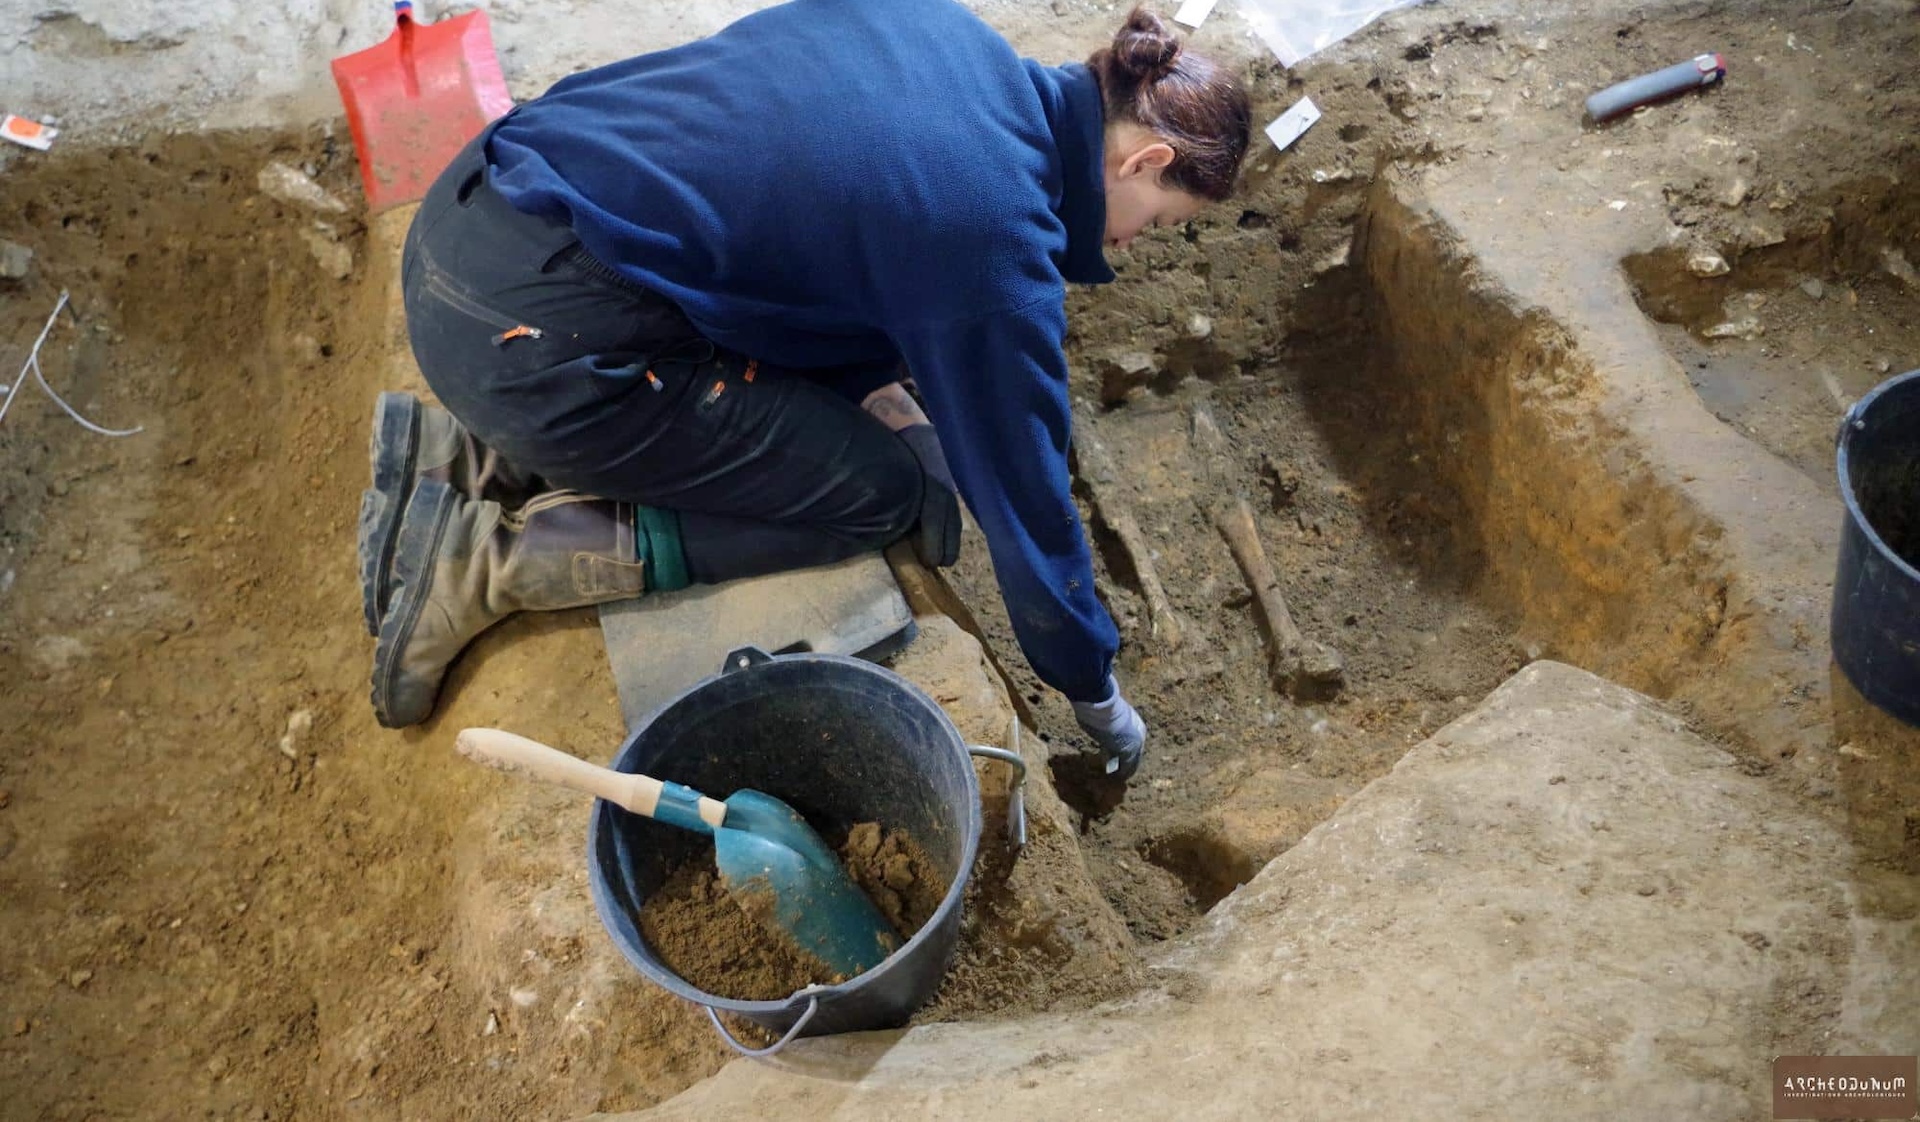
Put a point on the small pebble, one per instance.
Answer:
(493, 1025)
(1747, 328)
(1707, 263)
(15, 260)
(299, 724)
(79, 978)
(21, 1026)
(1896, 264)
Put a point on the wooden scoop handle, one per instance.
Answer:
(517, 755)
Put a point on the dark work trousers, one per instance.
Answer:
(597, 385)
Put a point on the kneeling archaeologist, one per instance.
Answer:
(668, 305)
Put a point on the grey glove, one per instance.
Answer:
(936, 541)
(1116, 728)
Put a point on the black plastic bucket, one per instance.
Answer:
(842, 741)
(1876, 593)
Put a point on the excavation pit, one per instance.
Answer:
(228, 886)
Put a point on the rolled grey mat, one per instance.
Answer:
(1647, 88)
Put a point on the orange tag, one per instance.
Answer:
(520, 332)
(33, 134)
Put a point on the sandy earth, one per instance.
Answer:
(230, 895)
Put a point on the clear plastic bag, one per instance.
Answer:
(1295, 29)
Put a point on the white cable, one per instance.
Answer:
(33, 364)
(33, 356)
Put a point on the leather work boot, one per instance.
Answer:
(462, 565)
(412, 441)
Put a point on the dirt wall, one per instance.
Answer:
(1572, 528)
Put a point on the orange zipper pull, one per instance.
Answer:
(520, 332)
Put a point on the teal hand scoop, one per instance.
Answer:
(773, 864)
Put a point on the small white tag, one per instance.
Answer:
(1193, 11)
(1287, 127)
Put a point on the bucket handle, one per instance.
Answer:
(742, 658)
(1017, 801)
(813, 1006)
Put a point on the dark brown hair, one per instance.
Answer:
(1184, 99)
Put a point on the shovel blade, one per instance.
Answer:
(782, 871)
(415, 99)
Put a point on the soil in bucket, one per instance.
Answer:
(701, 932)
(896, 874)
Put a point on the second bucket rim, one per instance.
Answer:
(1849, 425)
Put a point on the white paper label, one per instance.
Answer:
(1193, 11)
(1287, 127)
(33, 134)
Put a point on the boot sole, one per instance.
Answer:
(392, 450)
(421, 529)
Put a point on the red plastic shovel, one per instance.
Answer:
(416, 98)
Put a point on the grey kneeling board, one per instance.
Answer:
(659, 645)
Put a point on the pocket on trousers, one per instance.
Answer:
(502, 330)
(729, 391)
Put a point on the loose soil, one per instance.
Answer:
(1012, 956)
(896, 874)
(704, 932)
(231, 895)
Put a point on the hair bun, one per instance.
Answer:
(1143, 47)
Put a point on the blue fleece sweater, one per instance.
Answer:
(834, 183)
